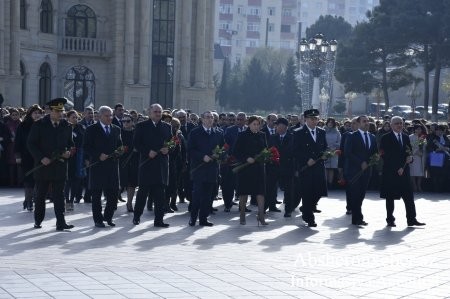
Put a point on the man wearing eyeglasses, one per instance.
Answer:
(396, 152)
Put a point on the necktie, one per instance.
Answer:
(55, 124)
(400, 139)
(107, 130)
(366, 139)
(281, 139)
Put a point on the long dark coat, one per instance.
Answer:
(45, 140)
(251, 179)
(103, 175)
(148, 137)
(129, 173)
(199, 145)
(312, 180)
(285, 170)
(21, 149)
(394, 156)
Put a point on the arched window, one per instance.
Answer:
(45, 83)
(23, 14)
(81, 22)
(46, 16)
(79, 87)
(22, 73)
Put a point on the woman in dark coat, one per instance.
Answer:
(23, 156)
(76, 172)
(250, 180)
(129, 171)
(177, 158)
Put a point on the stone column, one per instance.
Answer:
(130, 7)
(2, 37)
(210, 43)
(144, 53)
(200, 47)
(186, 50)
(15, 38)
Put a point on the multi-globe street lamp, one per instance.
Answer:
(318, 53)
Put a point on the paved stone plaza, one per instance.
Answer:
(283, 260)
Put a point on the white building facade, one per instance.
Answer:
(102, 52)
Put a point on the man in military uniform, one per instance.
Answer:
(309, 144)
(49, 142)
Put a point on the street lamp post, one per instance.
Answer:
(413, 93)
(317, 52)
(350, 96)
(324, 97)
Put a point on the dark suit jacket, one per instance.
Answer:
(341, 158)
(103, 175)
(266, 131)
(186, 130)
(45, 140)
(199, 145)
(231, 134)
(286, 167)
(394, 156)
(149, 137)
(116, 122)
(312, 180)
(356, 153)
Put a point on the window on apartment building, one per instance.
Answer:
(271, 11)
(226, 8)
(45, 83)
(81, 22)
(238, 43)
(271, 27)
(79, 87)
(253, 27)
(241, 10)
(285, 28)
(225, 25)
(254, 11)
(253, 43)
(287, 12)
(23, 14)
(239, 26)
(46, 16)
(225, 42)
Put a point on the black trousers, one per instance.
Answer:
(290, 200)
(408, 199)
(111, 204)
(57, 195)
(228, 186)
(357, 192)
(296, 197)
(157, 193)
(271, 191)
(309, 204)
(202, 195)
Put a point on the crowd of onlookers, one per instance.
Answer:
(430, 143)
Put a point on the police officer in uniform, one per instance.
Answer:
(49, 142)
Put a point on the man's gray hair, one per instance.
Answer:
(104, 109)
(152, 106)
(181, 112)
(396, 118)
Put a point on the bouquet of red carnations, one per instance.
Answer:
(267, 155)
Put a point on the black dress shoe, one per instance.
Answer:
(312, 224)
(100, 224)
(316, 211)
(110, 223)
(234, 204)
(136, 221)
(415, 223)
(205, 223)
(174, 207)
(349, 212)
(287, 215)
(121, 199)
(37, 225)
(191, 222)
(64, 226)
(214, 209)
(361, 223)
(227, 210)
(274, 210)
(278, 202)
(161, 224)
(169, 210)
(391, 224)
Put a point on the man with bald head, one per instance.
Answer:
(149, 140)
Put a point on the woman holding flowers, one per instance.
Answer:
(418, 142)
(250, 179)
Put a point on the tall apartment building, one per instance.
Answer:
(100, 52)
(242, 26)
